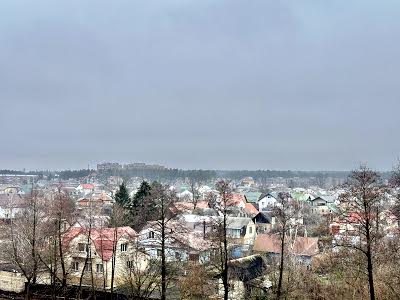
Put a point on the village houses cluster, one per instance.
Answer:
(252, 229)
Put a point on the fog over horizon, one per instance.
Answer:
(279, 85)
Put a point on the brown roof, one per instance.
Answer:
(304, 246)
(267, 243)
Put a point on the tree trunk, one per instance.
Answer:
(163, 262)
(225, 266)
(369, 260)
(279, 291)
(35, 264)
(61, 252)
(113, 262)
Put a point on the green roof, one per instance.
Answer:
(252, 196)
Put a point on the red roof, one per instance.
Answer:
(87, 186)
(102, 239)
(236, 200)
(249, 208)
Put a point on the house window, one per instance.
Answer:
(82, 247)
(178, 256)
(88, 267)
(124, 247)
(99, 268)
(75, 266)
(129, 264)
(151, 234)
(159, 252)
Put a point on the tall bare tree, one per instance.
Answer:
(220, 203)
(25, 238)
(142, 276)
(361, 204)
(163, 197)
(285, 212)
(194, 189)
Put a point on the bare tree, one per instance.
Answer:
(25, 238)
(194, 189)
(142, 276)
(163, 197)
(285, 212)
(361, 205)
(88, 258)
(194, 285)
(220, 203)
(118, 216)
(394, 182)
(60, 210)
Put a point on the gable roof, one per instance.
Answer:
(87, 186)
(183, 206)
(237, 222)
(303, 246)
(103, 239)
(236, 200)
(250, 209)
(267, 243)
(179, 235)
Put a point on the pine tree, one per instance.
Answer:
(122, 196)
(140, 196)
(141, 206)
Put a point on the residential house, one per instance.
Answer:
(264, 222)
(85, 188)
(302, 248)
(248, 181)
(267, 202)
(181, 243)
(242, 229)
(320, 205)
(98, 246)
(11, 205)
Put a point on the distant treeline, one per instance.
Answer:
(74, 174)
(65, 174)
(164, 174)
(261, 175)
(196, 175)
(208, 175)
(15, 172)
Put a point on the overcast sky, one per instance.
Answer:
(306, 85)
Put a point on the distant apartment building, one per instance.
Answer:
(131, 166)
(108, 166)
(142, 166)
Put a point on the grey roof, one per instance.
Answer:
(237, 222)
